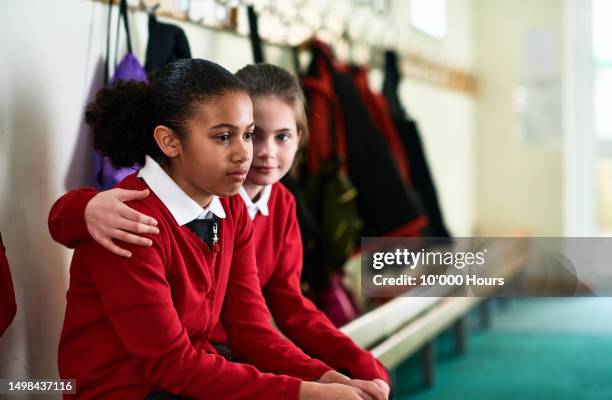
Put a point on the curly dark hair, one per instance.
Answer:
(123, 115)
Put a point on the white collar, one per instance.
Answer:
(261, 205)
(182, 207)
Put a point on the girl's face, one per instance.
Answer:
(215, 157)
(275, 141)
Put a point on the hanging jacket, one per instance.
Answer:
(386, 205)
(380, 116)
(7, 293)
(410, 137)
(167, 43)
(256, 45)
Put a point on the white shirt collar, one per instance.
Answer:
(182, 207)
(261, 205)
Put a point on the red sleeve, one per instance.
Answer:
(67, 217)
(7, 294)
(138, 299)
(303, 323)
(246, 318)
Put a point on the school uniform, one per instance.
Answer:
(142, 324)
(8, 307)
(279, 251)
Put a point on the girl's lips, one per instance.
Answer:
(238, 175)
(263, 169)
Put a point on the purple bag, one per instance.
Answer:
(129, 68)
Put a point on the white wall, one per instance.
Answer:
(447, 121)
(51, 67)
(519, 184)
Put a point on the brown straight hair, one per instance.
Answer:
(270, 80)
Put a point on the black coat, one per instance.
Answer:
(410, 135)
(167, 43)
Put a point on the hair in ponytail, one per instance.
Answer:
(120, 121)
(123, 115)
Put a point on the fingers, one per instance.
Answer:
(130, 238)
(370, 387)
(332, 376)
(134, 227)
(128, 195)
(141, 223)
(124, 195)
(112, 247)
(384, 386)
(363, 395)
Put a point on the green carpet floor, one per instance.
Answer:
(537, 349)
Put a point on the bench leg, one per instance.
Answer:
(429, 364)
(504, 303)
(486, 314)
(460, 336)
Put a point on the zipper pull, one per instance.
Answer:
(215, 237)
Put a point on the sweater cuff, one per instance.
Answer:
(292, 389)
(77, 215)
(67, 217)
(368, 367)
(315, 373)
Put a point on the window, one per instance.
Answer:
(602, 111)
(429, 16)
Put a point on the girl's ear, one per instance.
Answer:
(167, 141)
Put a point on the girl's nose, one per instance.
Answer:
(265, 150)
(243, 151)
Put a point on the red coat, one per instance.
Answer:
(278, 245)
(7, 294)
(381, 117)
(138, 324)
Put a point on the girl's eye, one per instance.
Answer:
(283, 137)
(223, 138)
(249, 135)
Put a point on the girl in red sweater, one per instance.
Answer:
(140, 326)
(280, 127)
(7, 294)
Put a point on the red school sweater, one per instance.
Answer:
(134, 325)
(279, 253)
(7, 294)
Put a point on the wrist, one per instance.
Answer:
(308, 390)
(332, 376)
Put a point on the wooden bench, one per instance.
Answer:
(398, 329)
